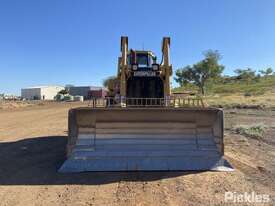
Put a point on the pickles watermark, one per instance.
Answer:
(246, 197)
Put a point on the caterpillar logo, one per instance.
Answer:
(144, 74)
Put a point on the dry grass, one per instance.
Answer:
(266, 100)
(14, 104)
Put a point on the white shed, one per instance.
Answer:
(40, 92)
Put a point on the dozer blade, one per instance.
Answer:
(145, 139)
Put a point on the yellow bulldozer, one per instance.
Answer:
(141, 126)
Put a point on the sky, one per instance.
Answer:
(58, 42)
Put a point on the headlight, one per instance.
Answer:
(155, 67)
(135, 67)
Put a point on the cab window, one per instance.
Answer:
(142, 60)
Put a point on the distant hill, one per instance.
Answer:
(231, 92)
(255, 87)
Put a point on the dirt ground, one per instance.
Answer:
(32, 148)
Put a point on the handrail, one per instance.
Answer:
(147, 102)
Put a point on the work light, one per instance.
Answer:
(155, 67)
(135, 67)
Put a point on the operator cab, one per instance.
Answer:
(144, 81)
(142, 61)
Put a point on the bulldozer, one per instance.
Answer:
(141, 126)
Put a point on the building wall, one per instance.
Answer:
(48, 93)
(31, 93)
(98, 93)
(87, 91)
(43, 93)
(79, 91)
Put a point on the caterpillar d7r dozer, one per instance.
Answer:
(140, 126)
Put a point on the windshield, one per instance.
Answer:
(142, 60)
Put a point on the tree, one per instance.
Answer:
(201, 72)
(108, 81)
(266, 72)
(63, 91)
(111, 84)
(269, 71)
(245, 74)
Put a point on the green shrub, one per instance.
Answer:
(247, 94)
(255, 131)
